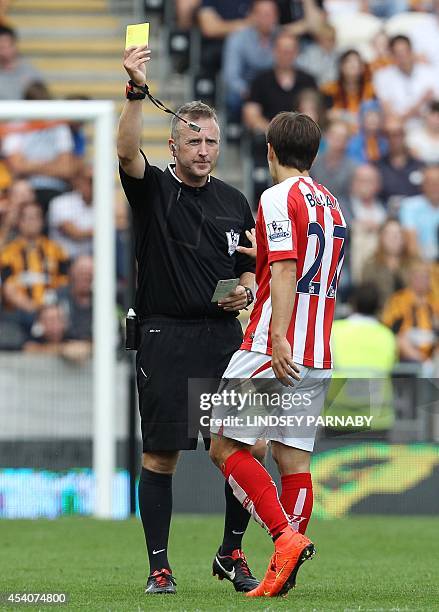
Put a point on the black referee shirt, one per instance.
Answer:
(185, 241)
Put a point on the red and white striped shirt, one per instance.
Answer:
(299, 219)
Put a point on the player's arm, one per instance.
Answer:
(283, 292)
(130, 123)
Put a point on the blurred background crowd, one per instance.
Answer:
(366, 70)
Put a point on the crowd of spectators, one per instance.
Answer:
(46, 222)
(376, 99)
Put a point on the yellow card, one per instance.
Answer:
(137, 34)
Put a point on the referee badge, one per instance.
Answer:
(232, 241)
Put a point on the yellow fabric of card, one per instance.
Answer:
(137, 34)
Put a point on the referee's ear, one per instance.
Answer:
(172, 147)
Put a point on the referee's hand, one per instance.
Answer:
(236, 300)
(134, 62)
(251, 251)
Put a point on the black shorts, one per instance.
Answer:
(171, 352)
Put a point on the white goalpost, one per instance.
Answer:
(101, 114)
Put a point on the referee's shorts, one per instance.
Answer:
(173, 352)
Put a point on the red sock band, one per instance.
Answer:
(297, 499)
(253, 487)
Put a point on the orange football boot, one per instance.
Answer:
(267, 582)
(291, 550)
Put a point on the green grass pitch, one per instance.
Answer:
(362, 564)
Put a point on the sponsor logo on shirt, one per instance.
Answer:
(279, 230)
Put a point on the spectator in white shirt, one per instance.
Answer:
(41, 151)
(405, 88)
(380, 8)
(423, 141)
(71, 216)
(425, 38)
(344, 7)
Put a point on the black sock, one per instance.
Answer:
(155, 503)
(235, 523)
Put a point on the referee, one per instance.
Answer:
(188, 226)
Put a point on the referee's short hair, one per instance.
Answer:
(192, 111)
(295, 139)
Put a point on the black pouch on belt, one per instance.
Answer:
(132, 332)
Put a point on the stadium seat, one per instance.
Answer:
(179, 49)
(204, 88)
(404, 23)
(356, 31)
(155, 6)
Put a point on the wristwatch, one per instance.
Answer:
(134, 91)
(250, 296)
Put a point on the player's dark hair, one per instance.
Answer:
(295, 139)
(365, 299)
(399, 38)
(6, 31)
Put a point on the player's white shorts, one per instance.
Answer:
(262, 407)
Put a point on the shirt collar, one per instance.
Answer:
(171, 169)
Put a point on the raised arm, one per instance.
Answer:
(130, 123)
